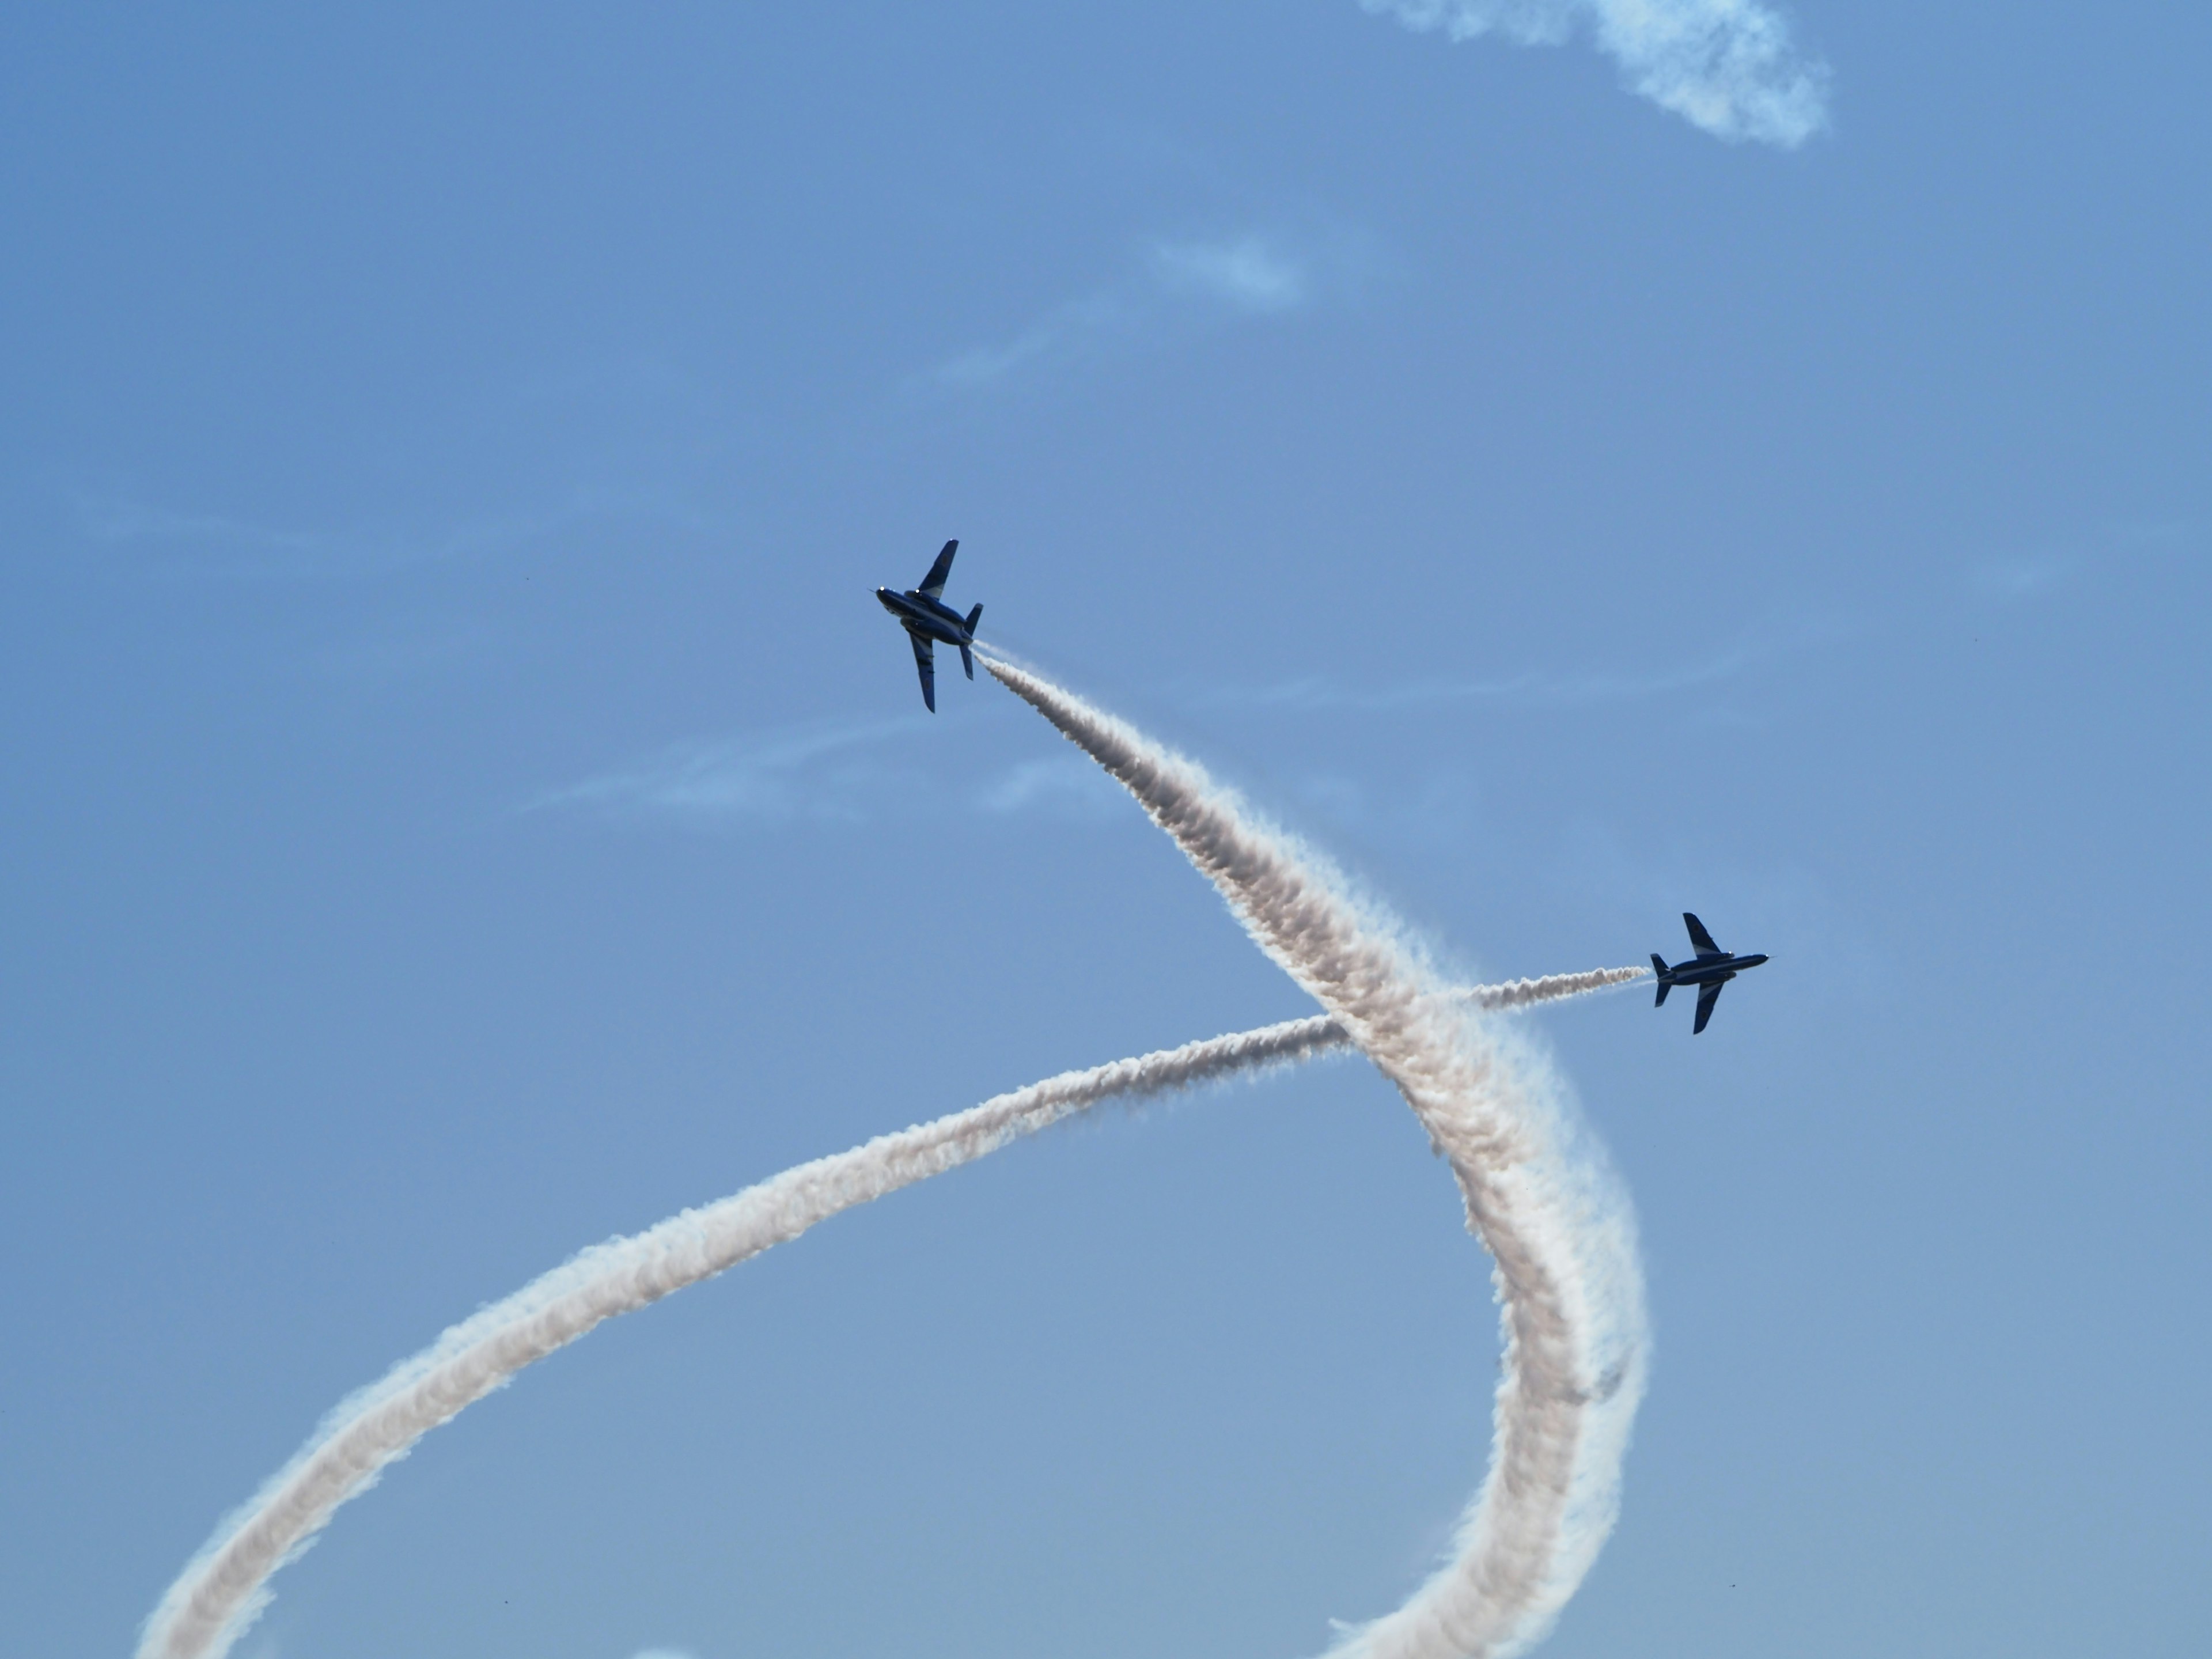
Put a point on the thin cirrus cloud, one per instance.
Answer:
(1246, 274)
(1251, 276)
(221, 545)
(1537, 688)
(1525, 691)
(1728, 67)
(2022, 577)
(226, 547)
(829, 772)
(1531, 690)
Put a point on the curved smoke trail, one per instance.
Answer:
(1538, 1190)
(225, 1586)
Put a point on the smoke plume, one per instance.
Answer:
(1538, 1192)
(225, 1586)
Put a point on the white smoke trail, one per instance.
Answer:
(1726, 66)
(224, 1587)
(1539, 1194)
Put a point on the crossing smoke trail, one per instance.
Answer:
(1539, 1194)
(225, 1586)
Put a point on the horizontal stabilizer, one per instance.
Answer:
(974, 616)
(1659, 968)
(968, 662)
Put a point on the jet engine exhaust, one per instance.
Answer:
(1538, 1191)
(221, 1590)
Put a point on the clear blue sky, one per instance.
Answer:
(460, 802)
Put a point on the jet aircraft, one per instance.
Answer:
(1710, 970)
(926, 618)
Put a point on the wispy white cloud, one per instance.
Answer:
(2022, 577)
(1249, 275)
(1246, 274)
(1063, 784)
(216, 543)
(1728, 67)
(1068, 331)
(834, 772)
(1562, 690)
(1537, 688)
(225, 545)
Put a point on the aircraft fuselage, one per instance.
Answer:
(1701, 970)
(931, 618)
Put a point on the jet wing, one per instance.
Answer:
(1708, 994)
(1700, 940)
(925, 663)
(934, 583)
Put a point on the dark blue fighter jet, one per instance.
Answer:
(926, 618)
(1710, 970)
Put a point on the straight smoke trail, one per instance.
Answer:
(1538, 1191)
(225, 1586)
(1527, 993)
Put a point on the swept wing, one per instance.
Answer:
(1708, 994)
(924, 661)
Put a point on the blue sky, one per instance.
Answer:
(462, 803)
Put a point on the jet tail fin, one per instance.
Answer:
(968, 662)
(1659, 967)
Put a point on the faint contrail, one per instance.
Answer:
(1538, 1190)
(219, 1593)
